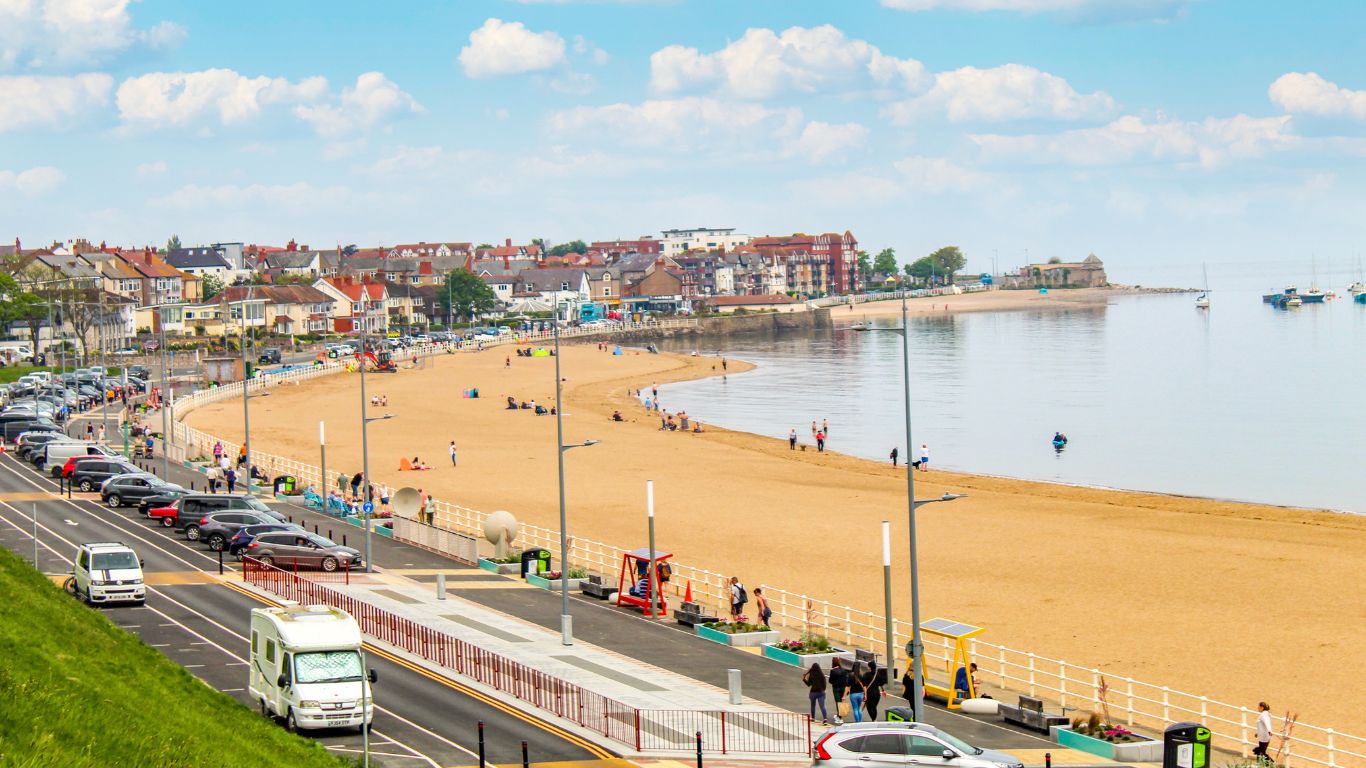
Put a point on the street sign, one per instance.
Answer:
(368, 507)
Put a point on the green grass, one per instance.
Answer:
(79, 691)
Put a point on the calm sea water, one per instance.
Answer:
(1241, 402)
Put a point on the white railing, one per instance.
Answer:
(1070, 686)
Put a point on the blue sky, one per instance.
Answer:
(1159, 134)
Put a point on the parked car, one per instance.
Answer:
(31, 443)
(302, 550)
(133, 489)
(217, 530)
(126, 352)
(139, 372)
(88, 475)
(163, 498)
(247, 533)
(71, 462)
(194, 507)
(106, 572)
(269, 356)
(897, 744)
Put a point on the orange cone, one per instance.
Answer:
(688, 596)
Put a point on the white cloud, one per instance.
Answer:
(509, 48)
(574, 83)
(1008, 92)
(681, 124)
(372, 99)
(1308, 93)
(57, 33)
(820, 141)
(193, 98)
(32, 182)
(937, 175)
(762, 64)
(155, 168)
(1094, 10)
(1130, 139)
(34, 100)
(297, 196)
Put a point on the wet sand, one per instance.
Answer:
(985, 301)
(1240, 602)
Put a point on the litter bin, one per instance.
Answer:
(900, 715)
(1185, 745)
(535, 560)
(285, 484)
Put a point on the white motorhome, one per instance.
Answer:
(307, 667)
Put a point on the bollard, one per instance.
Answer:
(699, 749)
(1048, 760)
(343, 539)
(525, 763)
(733, 680)
(315, 528)
(329, 535)
(220, 562)
(481, 744)
(291, 518)
(441, 586)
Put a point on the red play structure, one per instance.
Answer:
(634, 586)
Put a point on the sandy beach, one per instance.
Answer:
(987, 301)
(1237, 601)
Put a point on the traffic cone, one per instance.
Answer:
(687, 598)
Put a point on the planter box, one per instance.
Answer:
(554, 584)
(738, 639)
(804, 660)
(504, 568)
(1146, 751)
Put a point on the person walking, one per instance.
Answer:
(872, 689)
(356, 480)
(101, 433)
(894, 457)
(924, 458)
(815, 684)
(90, 432)
(738, 598)
(1263, 733)
(792, 439)
(217, 451)
(761, 605)
(231, 479)
(820, 442)
(856, 690)
(211, 477)
(453, 453)
(825, 426)
(839, 680)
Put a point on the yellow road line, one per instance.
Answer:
(1061, 756)
(26, 496)
(550, 728)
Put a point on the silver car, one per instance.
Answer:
(897, 745)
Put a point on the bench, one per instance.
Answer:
(594, 587)
(1029, 713)
(692, 614)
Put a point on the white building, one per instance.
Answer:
(676, 242)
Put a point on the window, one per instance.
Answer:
(885, 744)
(607, 290)
(924, 747)
(564, 286)
(328, 667)
(270, 651)
(254, 639)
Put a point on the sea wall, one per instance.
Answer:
(723, 325)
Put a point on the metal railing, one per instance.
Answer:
(640, 729)
(1070, 686)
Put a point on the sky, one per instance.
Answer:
(1159, 134)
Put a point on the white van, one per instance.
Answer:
(107, 572)
(307, 667)
(55, 455)
(15, 350)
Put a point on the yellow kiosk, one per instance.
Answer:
(961, 685)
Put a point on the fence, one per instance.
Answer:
(640, 729)
(1068, 685)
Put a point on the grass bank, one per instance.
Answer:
(80, 691)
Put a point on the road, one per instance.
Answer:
(200, 623)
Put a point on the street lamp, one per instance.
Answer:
(364, 422)
(566, 621)
(916, 647)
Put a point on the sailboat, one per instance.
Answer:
(1314, 295)
(1202, 301)
(1358, 288)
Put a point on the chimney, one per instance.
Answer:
(291, 246)
(508, 242)
(507, 263)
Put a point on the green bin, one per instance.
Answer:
(535, 560)
(1185, 745)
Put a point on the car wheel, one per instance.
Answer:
(115, 502)
(56, 472)
(86, 487)
(265, 710)
(139, 603)
(167, 522)
(265, 560)
(216, 542)
(192, 532)
(329, 564)
(291, 724)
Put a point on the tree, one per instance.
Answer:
(573, 246)
(483, 246)
(173, 243)
(865, 266)
(885, 262)
(210, 285)
(466, 291)
(939, 265)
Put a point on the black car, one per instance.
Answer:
(269, 356)
(218, 529)
(13, 429)
(139, 372)
(34, 442)
(163, 498)
(133, 490)
(197, 506)
(245, 534)
(89, 474)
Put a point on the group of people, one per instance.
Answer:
(381, 400)
(819, 433)
(528, 405)
(922, 464)
(668, 422)
(862, 683)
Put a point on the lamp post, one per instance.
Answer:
(165, 400)
(364, 423)
(916, 647)
(566, 621)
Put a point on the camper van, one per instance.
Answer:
(307, 667)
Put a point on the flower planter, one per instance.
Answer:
(804, 660)
(504, 568)
(1144, 751)
(554, 584)
(737, 639)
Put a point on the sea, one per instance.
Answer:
(1242, 401)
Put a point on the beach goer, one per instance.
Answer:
(211, 477)
(217, 451)
(761, 605)
(738, 598)
(242, 455)
(101, 438)
(453, 453)
(356, 480)
(825, 426)
(654, 390)
(924, 458)
(90, 433)
(231, 478)
(224, 464)
(856, 691)
(616, 416)
(839, 680)
(964, 678)
(820, 441)
(894, 457)
(1263, 732)
(814, 430)
(815, 684)
(872, 689)
(792, 439)
(384, 497)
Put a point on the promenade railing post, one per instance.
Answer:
(481, 744)
(699, 749)
(526, 762)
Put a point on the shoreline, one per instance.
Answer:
(996, 300)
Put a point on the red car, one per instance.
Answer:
(168, 516)
(70, 465)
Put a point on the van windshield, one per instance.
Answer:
(114, 561)
(327, 667)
